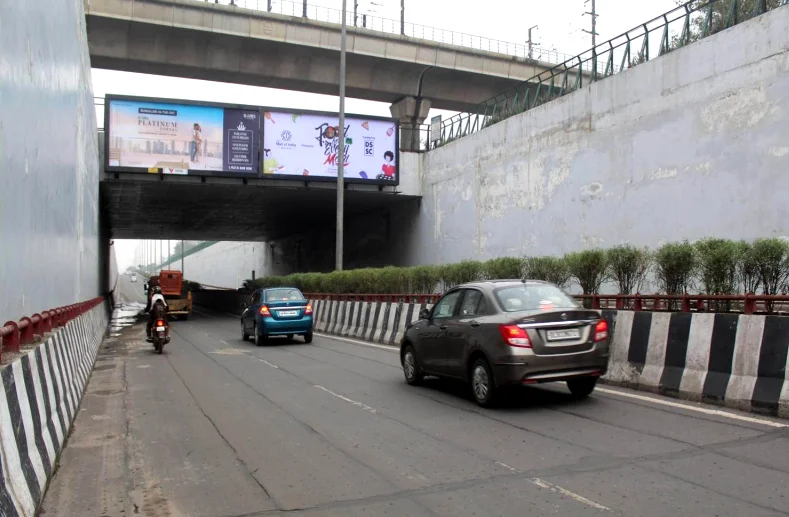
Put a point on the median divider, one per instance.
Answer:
(40, 397)
(729, 359)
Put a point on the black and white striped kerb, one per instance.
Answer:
(376, 322)
(734, 360)
(39, 399)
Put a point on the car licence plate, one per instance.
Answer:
(288, 313)
(563, 335)
(160, 329)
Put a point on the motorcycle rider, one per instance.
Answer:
(156, 309)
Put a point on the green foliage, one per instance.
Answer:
(461, 273)
(628, 267)
(771, 257)
(504, 268)
(550, 269)
(675, 267)
(589, 268)
(718, 264)
(747, 268)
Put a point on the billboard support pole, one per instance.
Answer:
(341, 149)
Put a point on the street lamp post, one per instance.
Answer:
(341, 148)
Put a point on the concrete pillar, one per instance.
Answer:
(411, 112)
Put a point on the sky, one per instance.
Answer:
(560, 25)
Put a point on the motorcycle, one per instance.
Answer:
(160, 334)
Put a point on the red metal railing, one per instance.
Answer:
(13, 335)
(745, 304)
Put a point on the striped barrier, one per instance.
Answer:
(734, 360)
(40, 396)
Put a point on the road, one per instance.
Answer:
(218, 427)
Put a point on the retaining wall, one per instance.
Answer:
(40, 396)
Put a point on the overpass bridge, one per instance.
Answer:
(231, 43)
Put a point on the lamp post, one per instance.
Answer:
(341, 148)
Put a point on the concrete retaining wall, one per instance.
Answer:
(54, 252)
(40, 396)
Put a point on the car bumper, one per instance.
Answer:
(272, 327)
(536, 369)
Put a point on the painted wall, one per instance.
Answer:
(226, 264)
(693, 144)
(49, 206)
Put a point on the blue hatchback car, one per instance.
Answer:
(281, 311)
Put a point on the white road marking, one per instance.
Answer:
(698, 409)
(224, 343)
(346, 399)
(362, 343)
(572, 495)
(511, 469)
(268, 363)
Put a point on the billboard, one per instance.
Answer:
(304, 145)
(181, 138)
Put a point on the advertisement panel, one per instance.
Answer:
(305, 145)
(182, 138)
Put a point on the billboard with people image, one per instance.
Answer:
(306, 145)
(180, 137)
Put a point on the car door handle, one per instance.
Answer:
(474, 323)
(443, 327)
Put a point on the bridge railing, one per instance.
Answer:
(675, 29)
(390, 26)
(13, 335)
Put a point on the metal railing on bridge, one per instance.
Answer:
(387, 25)
(675, 29)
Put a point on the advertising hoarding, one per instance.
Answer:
(304, 145)
(181, 138)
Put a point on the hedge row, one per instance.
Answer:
(712, 266)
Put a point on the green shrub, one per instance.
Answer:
(461, 273)
(718, 264)
(771, 257)
(628, 267)
(589, 268)
(747, 268)
(675, 266)
(504, 268)
(550, 269)
(424, 279)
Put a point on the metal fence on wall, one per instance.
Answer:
(670, 31)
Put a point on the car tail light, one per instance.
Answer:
(601, 330)
(264, 311)
(160, 323)
(515, 336)
(308, 310)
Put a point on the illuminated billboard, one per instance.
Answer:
(180, 137)
(304, 145)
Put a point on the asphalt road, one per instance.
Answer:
(218, 427)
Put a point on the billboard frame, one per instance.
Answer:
(108, 98)
(329, 179)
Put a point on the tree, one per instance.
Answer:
(713, 16)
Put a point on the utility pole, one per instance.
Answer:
(304, 9)
(182, 257)
(341, 149)
(531, 43)
(594, 15)
(402, 17)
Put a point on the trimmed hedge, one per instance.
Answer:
(714, 266)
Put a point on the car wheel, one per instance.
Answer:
(413, 373)
(308, 337)
(259, 340)
(244, 334)
(483, 386)
(582, 387)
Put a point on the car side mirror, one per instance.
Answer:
(424, 314)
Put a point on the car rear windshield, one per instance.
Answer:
(285, 295)
(529, 297)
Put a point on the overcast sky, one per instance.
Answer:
(560, 27)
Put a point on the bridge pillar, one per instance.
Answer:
(410, 112)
